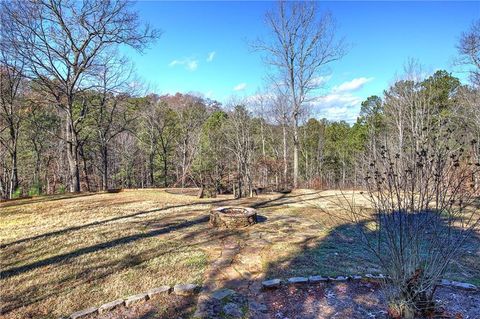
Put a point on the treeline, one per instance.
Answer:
(72, 117)
(187, 141)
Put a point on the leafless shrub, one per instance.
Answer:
(420, 182)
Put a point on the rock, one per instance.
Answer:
(257, 307)
(316, 279)
(374, 277)
(222, 294)
(135, 299)
(272, 283)
(84, 313)
(185, 290)
(297, 280)
(463, 285)
(356, 277)
(158, 291)
(340, 278)
(233, 310)
(445, 282)
(111, 305)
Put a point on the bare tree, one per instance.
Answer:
(301, 45)
(469, 113)
(281, 115)
(61, 43)
(241, 144)
(420, 188)
(112, 114)
(12, 87)
(469, 50)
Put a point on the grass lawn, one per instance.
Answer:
(60, 254)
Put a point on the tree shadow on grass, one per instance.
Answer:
(339, 253)
(191, 231)
(36, 294)
(94, 248)
(104, 221)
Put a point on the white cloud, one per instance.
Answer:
(211, 56)
(335, 99)
(340, 113)
(352, 85)
(190, 64)
(240, 87)
(337, 107)
(341, 103)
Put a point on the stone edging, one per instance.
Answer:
(180, 290)
(276, 283)
(190, 289)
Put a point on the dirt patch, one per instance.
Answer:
(183, 191)
(356, 300)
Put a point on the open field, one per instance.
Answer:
(64, 253)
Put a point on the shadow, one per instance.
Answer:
(105, 221)
(100, 272)
(288, 199)
(337, 253)
(261, 219)
(46, 198)
(344, 251)
(105, 245)
(215, 202)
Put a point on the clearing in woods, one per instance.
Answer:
(63, 253)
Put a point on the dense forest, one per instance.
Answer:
(72, 117)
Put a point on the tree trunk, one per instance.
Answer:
(104, 153)
(150, 169)
(165, 169)
(13, 154)
(85, 168)
(264, 156)
(285, 163)
(184, 162)
(14, 176)
(295, 151)
(72, 155)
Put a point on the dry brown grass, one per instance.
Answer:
(63, 253)
(60, 254)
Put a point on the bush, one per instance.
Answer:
(35, 190)
(423, 209)
(62, 189)
(17, 193)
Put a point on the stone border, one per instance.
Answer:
(314, 279)
(179, 290)
(190, 289)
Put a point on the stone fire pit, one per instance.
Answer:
(233, 217)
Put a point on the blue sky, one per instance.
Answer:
(204, 47)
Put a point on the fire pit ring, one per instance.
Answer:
(233, 217)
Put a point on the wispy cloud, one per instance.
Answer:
(211, 56)
(352, 85)
(320, 80)
(240, 87)
(190, 64)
